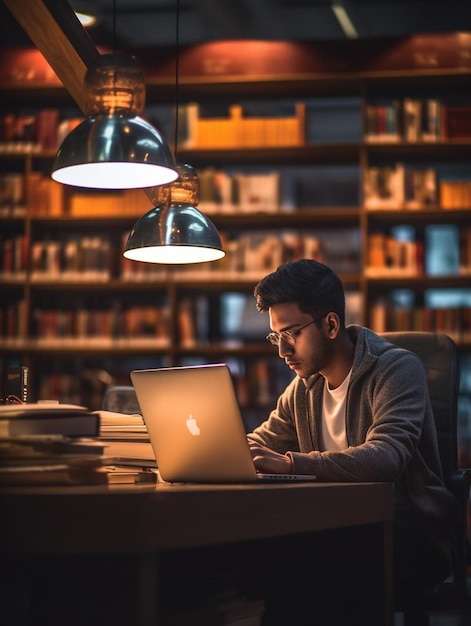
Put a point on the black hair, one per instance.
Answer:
(313, 286)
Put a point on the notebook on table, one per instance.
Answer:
(195, 426)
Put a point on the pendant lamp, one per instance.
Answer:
(114, 148)
(175, 231)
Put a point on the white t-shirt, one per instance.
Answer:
(333, 433)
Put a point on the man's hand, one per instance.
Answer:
(268, 461)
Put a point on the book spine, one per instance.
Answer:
(18, 382)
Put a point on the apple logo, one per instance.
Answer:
(192, 425)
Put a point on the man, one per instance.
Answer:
(357, 410)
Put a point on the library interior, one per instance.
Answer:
(338, 131)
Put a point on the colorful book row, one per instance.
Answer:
(115, 322)
(236, 130)
(452, 321)
(400, 187)
(445, 251)
(414, 120)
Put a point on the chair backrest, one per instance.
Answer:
(440, 359)
(120, 399)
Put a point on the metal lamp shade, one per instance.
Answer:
(114, 148)
(114, 152)
(176, 234)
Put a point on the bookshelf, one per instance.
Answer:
(375, 174)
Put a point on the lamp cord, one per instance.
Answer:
(177, 62)
(114, 26)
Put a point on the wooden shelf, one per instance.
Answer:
(454, 150)
(345, 71)
(324, 215)
(296, 155)
(70, 347)
(419, 217)
(419, 283)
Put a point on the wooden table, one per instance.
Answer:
(124, 554)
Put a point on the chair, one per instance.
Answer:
(440, 359)
(120, 399)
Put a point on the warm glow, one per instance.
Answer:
(86, 19)
(114, 149)
(88, 12)
(174, 255)
(119, 175)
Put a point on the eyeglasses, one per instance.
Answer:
(289, 336)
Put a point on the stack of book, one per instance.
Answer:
(126, 439)
(50, 444)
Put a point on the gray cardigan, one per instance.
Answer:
(390, 432)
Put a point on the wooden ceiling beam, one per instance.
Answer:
(56, 31)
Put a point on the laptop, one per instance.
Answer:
(195, 426)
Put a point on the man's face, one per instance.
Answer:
(311, 351)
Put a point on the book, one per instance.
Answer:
(420, 188)
(431, 122)
(27, 446)
(384, 187)
(383, 122)
(259, 193)
(393, 255)
(119, 474)
(120, 423)
(442, 244)
(52, 460)
(412, 120)
(17, 382)
(56, 473)
(48, 419)
(455, 194)
(456, 122)
(47, 123)
(129, 452)
(126, 439)
(237, 130)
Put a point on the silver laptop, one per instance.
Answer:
(195, 426)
